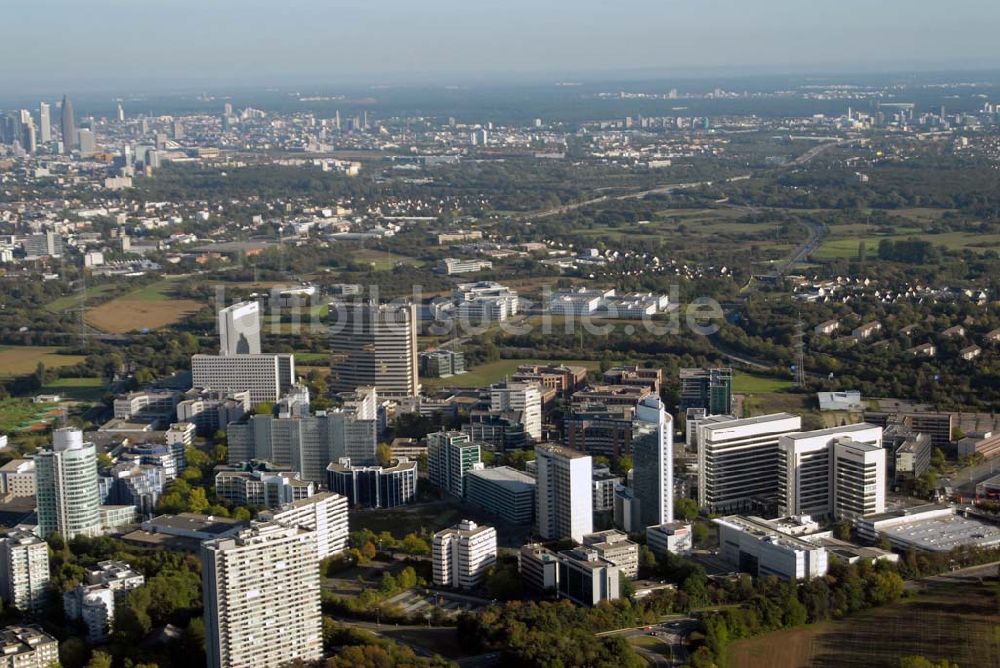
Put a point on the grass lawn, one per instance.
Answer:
(73, 301)
(384, 260)
(748, 383)
(22, 360)
(312, 359)
(19, 414)
(957, 622)
(494, 372)
(76, 389)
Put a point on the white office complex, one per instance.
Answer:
(308, 444)
(738, 460)
(66, 487)
(94, 602)
(450, 456)
(324, 515)
(807, 468)
(525, 398)
(262, 598)
(265, 377)
(672, 538)
(653, 462)
(374, 345)
(462, 554)
(239, 329)
(539, 567)
(24, 571)
(484, 302)
(756, 547)
(564, 505)
(262, 488)
(615, 547)
(859, 479)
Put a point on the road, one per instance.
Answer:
(817, 150)
(671, 633)
(659, 190)
(966, 575)
(964, 481)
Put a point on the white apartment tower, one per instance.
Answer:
(374, 345)
(66, 487)
(323, 514)
(24, 571)
(653, 462)
(806, 467)
(564, 505)
(462, 554)
(525, 398)
(738, 460)
(262, 598)
(239, 329)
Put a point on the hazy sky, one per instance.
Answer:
(55, 43)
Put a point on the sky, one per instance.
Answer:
(55, 44)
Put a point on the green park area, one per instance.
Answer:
(493, 372)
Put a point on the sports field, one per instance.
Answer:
(957, 622)
(151, 307)
(22, 360)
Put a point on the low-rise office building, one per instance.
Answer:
(374, 486)
(539, 567)
(669, 538)
(615, 547)
(586, 578)
(502, 491)
(755, 546)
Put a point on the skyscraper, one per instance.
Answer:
(374, 345)
(24, 571)
(653, 462)
(68, 125)
(44, 123)
(450, 455)
(239, 329)
(262, 598)
(564, 505)
(67, 488)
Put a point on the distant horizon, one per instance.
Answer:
(110, 45)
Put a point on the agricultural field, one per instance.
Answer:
(494, 372)
(844, 243)
(151, 307)
(957, 622)
(23, 360)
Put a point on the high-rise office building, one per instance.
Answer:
(711, 389)
(239, 329)
(374, 345)
(807, 467)
(738, 462)
(24, 571)
(462, 554)
(564, 504)
(262, 598)
(308, 444)
(524, 398)
(450, 455)
(44, 123)
(68, 124)
(266, 377)
(653, 462)
(87, 141)
(858, 479)
(67, 488)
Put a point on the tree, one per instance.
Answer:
(414, 544)
(198, 501)
(685, 508)
(99, 660)
(73, 652)
(383, 453)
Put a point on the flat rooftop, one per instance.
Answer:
(942, 534)
(506, 476)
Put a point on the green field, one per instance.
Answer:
(383, 260)
(846, 247)
(957, 622)
(76, 389)
(748, 383)
(73, 301)
(312, 359)
(19, 414)
(494, 372)
(22, 360)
